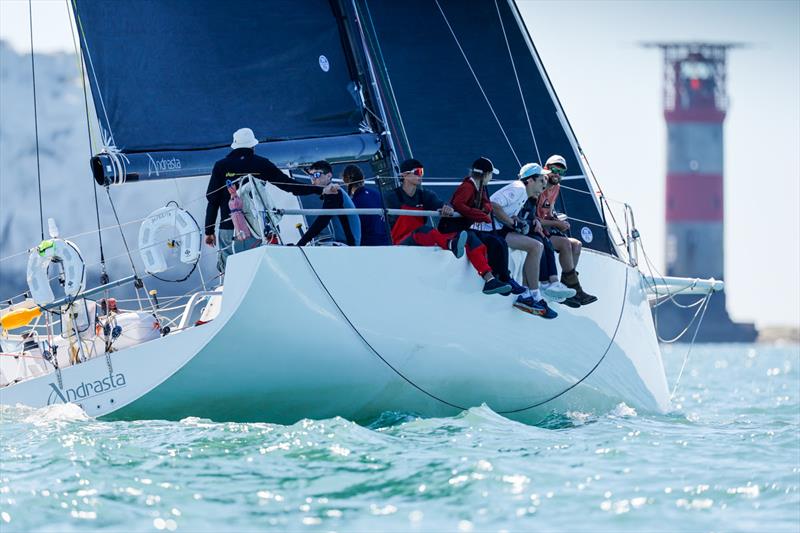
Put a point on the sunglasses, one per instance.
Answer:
(417, 172)
(558, 170)
(316, 175)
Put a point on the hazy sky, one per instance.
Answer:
(611, 91)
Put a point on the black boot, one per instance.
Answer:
(570, 279)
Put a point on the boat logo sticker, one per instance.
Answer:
(324, 64)
(86, 389)
(586, 234)
(162, 165)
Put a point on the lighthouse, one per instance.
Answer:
(695, 102)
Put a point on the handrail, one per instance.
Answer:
(363, 211)
(88, 292)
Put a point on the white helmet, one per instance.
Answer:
(556, 160)
(530, 169)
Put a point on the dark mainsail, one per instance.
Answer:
(172, 79)
(462, 74)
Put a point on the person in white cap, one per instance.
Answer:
(568, 248)
(514, 208)
(241, 161)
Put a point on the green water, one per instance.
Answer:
(726, 459)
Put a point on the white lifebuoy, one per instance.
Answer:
(55, 251)
(185, 231)
(258, 206)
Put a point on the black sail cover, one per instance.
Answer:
(451, 68)
(173, 79)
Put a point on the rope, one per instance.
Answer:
(104, 274)
(128, 252)
(36, 119)
(98, 93)
(701, 310)
(519, 85)
(477, 81)
(366, 342)
(691, 345)
(596, 365)
(387, 133)
(433, 396)
(385, 73)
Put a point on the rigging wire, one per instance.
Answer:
(691, 345)
(79, 25)
(519, 85)
(437, 398)
(36, 119)
(139, 283)
(477, 81)
(387, 132)
(385, 74)
(103, 272)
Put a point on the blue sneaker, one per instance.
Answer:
(457, 244)
(495, 286)
(516, 288)
(529, 305)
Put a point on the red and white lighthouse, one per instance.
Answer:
(695, 105)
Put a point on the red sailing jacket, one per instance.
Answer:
(471, 208)
(421, 201)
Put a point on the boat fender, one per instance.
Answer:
(188, 236)
(55, 251)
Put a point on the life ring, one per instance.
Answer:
(258, 206)
(55, 251)
(187, 234)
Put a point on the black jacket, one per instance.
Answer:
(236, 164)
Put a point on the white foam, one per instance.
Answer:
(578, 418)
(623, 411)
(60, 412)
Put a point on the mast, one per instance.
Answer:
(386, 132)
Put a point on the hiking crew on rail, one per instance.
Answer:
(520, 216)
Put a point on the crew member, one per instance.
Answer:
(373, 227)
(525, 234)
(346, 228)
(415, 230)
(471, 201)
(241, 161)
(568, 248)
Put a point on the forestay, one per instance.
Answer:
(465, 82)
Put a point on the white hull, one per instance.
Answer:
(381, 329)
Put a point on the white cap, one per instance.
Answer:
(556, 160)
(530, 169)
(244, 138)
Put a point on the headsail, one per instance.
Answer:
(467, 81)
(172, 80)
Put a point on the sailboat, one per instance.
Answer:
(320, 331)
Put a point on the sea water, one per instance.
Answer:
(727, 458)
